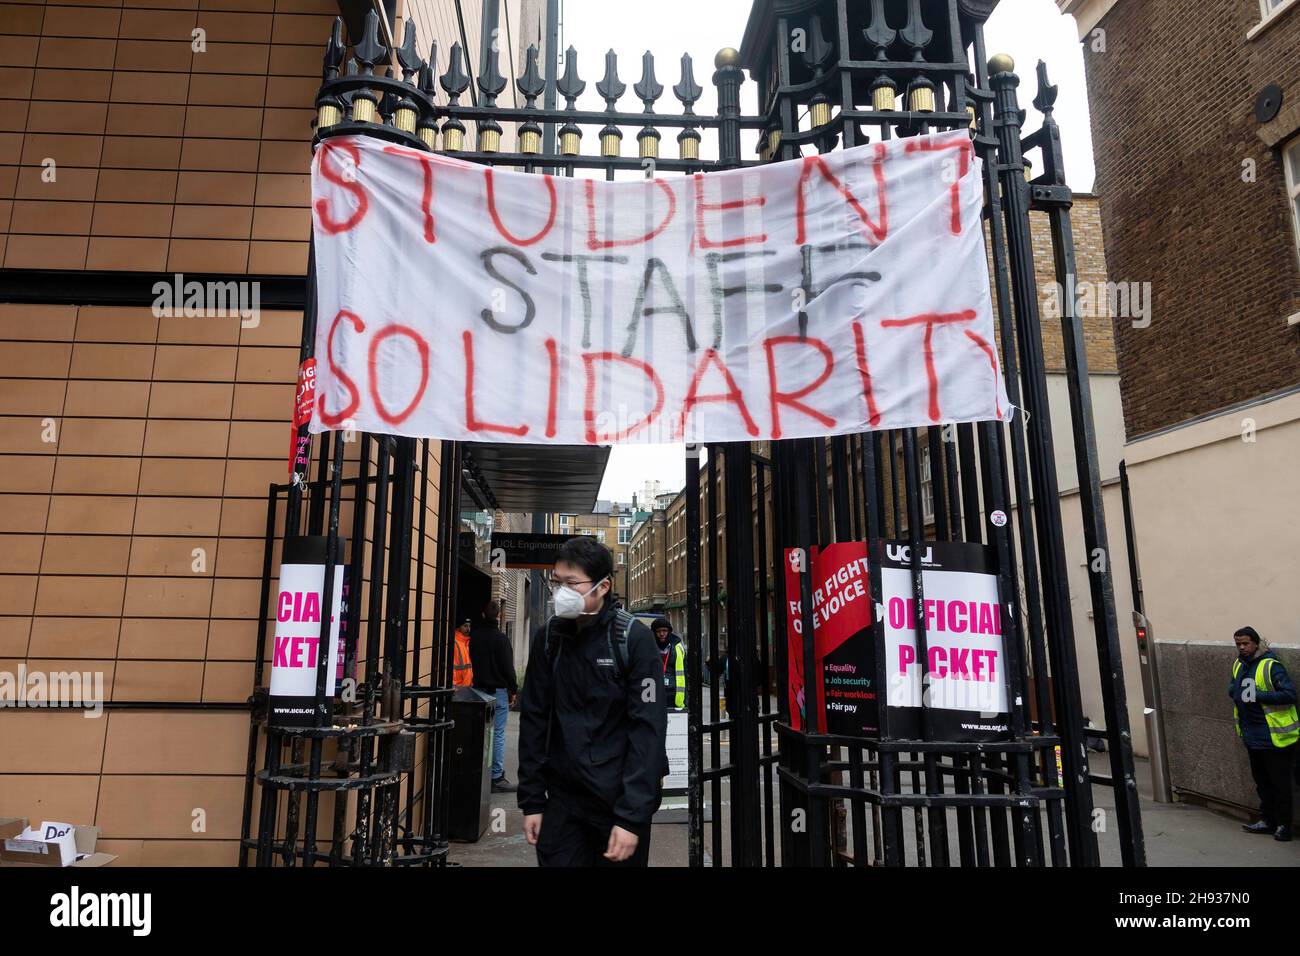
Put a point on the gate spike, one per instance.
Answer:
(687, 91)
(371, 49)
(334, 50)
(648, 89)
(1045, 101)
(880, 34)
(531, 84)
(916, 34)
(433, 64)
(490, 80)
(455, 81)
(610, 87)
(351, 70)
(407, 57)
(570, 86)
(819, 50)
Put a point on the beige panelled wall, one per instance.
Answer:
(133, 546)
(165, 158)
(131, 540)
(168, 434)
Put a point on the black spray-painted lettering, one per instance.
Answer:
(653, 266)
(810, 291)
(583, 285)
(720, 292)
(530, 309)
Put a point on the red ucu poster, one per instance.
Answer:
(845, 679)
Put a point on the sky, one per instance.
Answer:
(1029, 30)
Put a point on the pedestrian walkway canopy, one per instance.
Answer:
(537, 478)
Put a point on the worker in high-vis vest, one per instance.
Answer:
(1264, 709)
(462, 671)
(673, 653)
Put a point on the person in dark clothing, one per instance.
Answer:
(592, 722)
(494, 673)
(673, 654)
(1264, 706)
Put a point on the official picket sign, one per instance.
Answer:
(296, 642)
(824, 295)
(965, 670)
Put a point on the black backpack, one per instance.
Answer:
(617, 644)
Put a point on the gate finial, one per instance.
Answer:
(570, 87)
(1001, 63)
(531, 85)
(1045, 101)
(455, 81)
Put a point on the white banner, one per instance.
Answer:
(824, 295)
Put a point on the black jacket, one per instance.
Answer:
(493, 659)
(606, 746)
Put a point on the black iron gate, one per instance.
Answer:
(829, 73)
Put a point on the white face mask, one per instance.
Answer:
(570, 604)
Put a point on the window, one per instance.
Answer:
(566, 523)
(624, 535)
(600, 536)
(1269, 12)
(927, 487)
(1291, 162)
(620, 559)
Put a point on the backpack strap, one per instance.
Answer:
(553, 646)
(552, 650)
(622, 629)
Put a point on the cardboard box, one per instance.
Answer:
(50, 844)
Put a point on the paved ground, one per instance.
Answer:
(1177, 834)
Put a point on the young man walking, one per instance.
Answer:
(592, 722)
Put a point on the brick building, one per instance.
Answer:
(1200, 201)
(610, 523)
(648, 564)
(139, 140)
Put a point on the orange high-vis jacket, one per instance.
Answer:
(462, 672)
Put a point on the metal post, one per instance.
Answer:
(1051, 193)
(694, 663)
(1046, 501)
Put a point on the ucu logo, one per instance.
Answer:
(903, 554)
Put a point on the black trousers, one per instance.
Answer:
(570, 837)
(1272, 770)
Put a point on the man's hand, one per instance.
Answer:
(622, 844)
(532, 827)
(514, 698)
